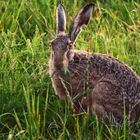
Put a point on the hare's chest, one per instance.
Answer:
(61, 86)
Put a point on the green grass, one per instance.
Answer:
(29, 109)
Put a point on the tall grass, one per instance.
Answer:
(29, 109)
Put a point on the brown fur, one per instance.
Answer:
(96, 83)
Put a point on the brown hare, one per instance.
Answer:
(95, 83)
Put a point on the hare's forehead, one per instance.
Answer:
(62, 39)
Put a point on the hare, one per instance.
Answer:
(94, 83)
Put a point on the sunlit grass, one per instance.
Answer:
(29, 109)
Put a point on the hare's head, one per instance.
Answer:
(62, 45)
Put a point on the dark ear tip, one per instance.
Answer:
(61, 6)
(91, 5)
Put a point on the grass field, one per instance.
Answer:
(29, 109)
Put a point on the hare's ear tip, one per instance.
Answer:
(93, 5)
(90, 6)
(61, 6)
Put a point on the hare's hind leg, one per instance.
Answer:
(88, 103)
(91, 104)
(105, 100)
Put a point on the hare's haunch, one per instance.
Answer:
(96, 83)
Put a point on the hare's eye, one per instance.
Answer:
(70, 45)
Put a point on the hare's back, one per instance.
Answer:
(100, 66)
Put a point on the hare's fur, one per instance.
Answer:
(96, 83)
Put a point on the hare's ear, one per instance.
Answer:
(60, 20)
(81, 18)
